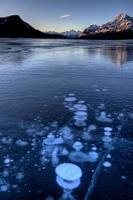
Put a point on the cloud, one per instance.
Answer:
(65, 16)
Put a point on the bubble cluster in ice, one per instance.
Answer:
(104, 118)
(78, 140)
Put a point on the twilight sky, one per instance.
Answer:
(61, 15)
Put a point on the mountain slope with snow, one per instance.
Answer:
(121, 27)
(71, 34)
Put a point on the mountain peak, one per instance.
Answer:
(16, 17)
(122, 16)
(121, 27)
(14, 26)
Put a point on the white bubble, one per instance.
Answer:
(19, 176)
(108, 129)
(92, 127)
(80, 107)
(107, 164)
(21, 143)
(108, 156)
(68, 171)
(93, 156)
(4, 188)
(107, 133)
(77, 146)
(5, 140)
(107, 139)
(104, 118)
(70, 99)
(7, 161)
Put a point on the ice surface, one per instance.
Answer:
(101, 106)
(55, 142)
(49, 198)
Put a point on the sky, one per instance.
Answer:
(63, 15)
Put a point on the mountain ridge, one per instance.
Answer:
(120, 28)
(13, 26)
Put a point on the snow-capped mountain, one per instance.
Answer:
(72, 34)
(121, 26)
(91, 29)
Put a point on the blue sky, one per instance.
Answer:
(61, 15)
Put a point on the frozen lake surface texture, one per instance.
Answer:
(66, 119)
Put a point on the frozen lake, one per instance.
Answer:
(54, 96)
